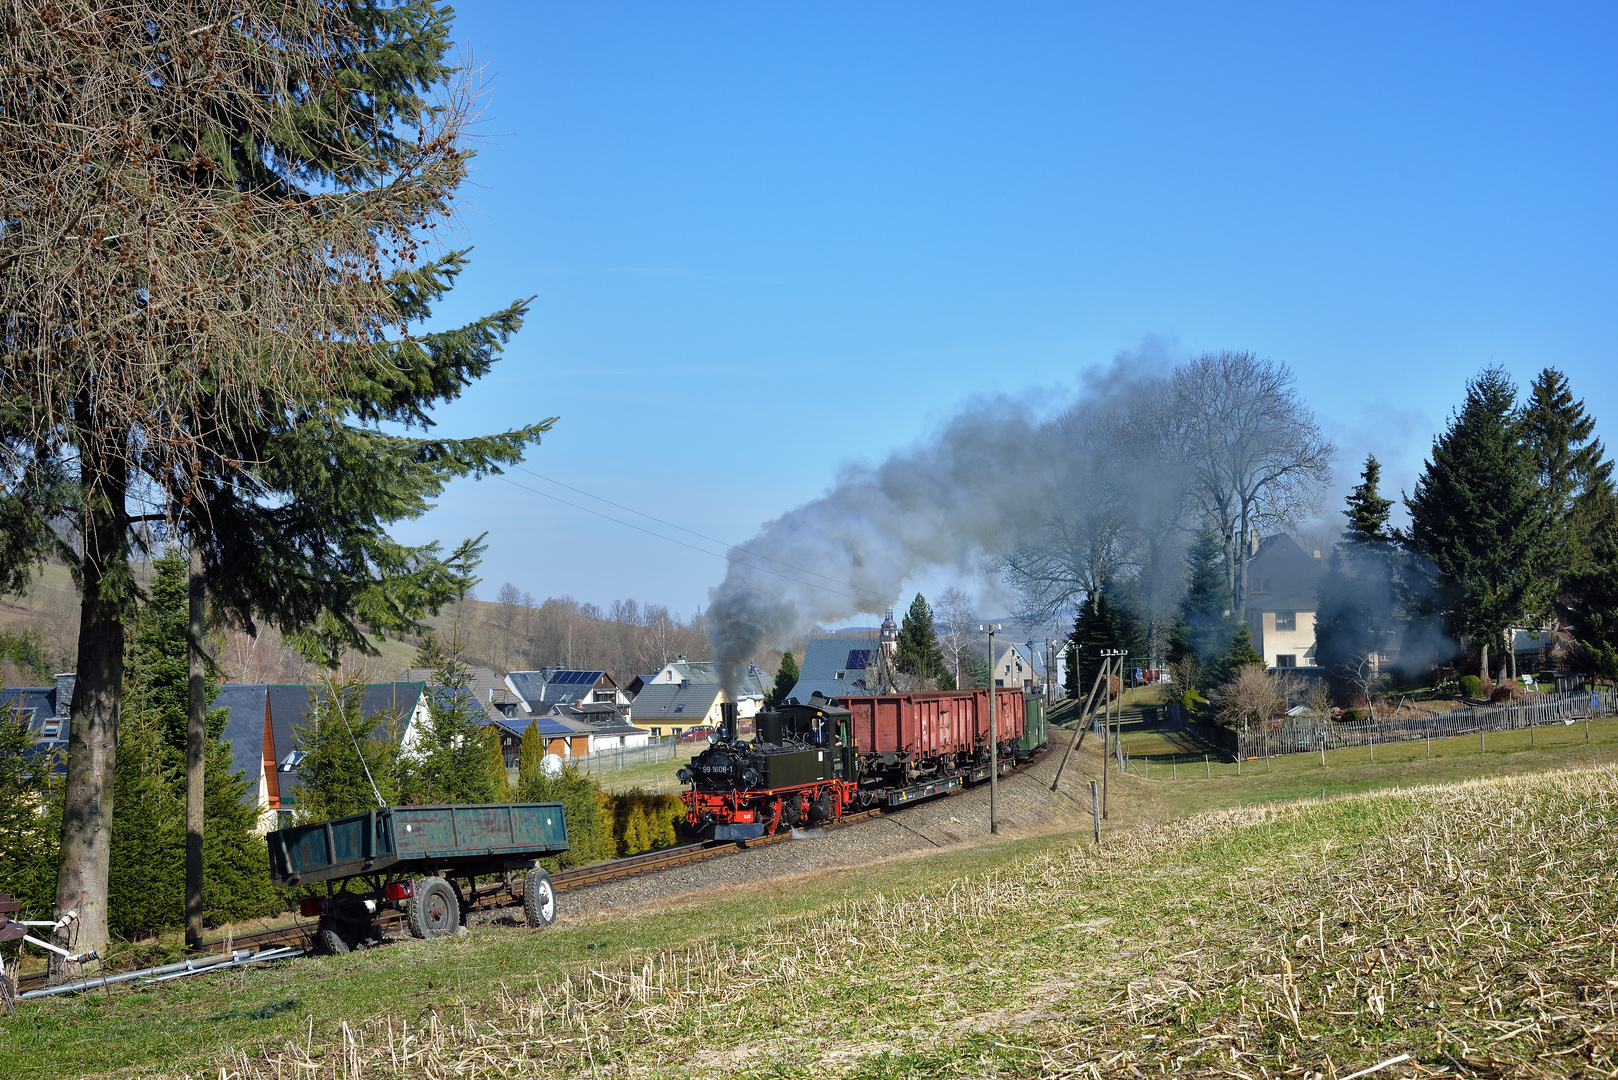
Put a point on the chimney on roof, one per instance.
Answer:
(64, 695)
(545, 673)
(682, 658)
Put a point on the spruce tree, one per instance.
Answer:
(1479, 521)
(918, 652)
(974, 667)
(1239, 653)
(1098, 627)
(1358, 610)
(1592, 590)
(30, 816)
(530, 756)
(786, 677)
(146, 865)
(1572, 469)
(345, 752)
(1203, 627)
(453, 760)
(271, 177)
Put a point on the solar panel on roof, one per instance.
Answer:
(858, 658)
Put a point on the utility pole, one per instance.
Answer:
(994, 735)
(196, 736)
(1110, 660)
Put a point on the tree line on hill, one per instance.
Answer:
(1513, 525)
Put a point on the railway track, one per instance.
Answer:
(301, 935)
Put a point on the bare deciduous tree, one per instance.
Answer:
(1253, 697)
(1253, 453)
(955, 620)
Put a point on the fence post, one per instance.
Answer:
(1322, 749)
(1207, 766)
(1373, 750)
(1429, 744)
(1095, 811)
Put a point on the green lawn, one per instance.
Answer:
(651, 776)
(868, 972)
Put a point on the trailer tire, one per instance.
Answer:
(538, 899)
(434, 910)
(328, 942)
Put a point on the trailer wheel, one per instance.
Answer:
(538, 899)
(434, 911)
(328, 942)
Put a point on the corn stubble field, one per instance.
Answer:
(1469, 926)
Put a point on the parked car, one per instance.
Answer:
(696, 734)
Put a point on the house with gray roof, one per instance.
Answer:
(262, 725)
(835, 667)
(1283, 581)
(45, 709)
(674, 708)
(538, 690)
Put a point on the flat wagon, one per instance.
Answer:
(423, 860)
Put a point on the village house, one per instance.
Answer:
(44, 709)
(673, 708)
(261, 728)
(537, 691)
(1282, 582)
(1022, 665)
(846, 664)
(755, 686)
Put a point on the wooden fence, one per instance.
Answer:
(1307, 735)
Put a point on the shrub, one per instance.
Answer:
(1351, 715)
(1503, 693)
(589, 829)
(1471, 687)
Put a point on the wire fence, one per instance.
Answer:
(618, 758)
(1309, 735)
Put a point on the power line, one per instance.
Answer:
(704, 536)
(682, 543)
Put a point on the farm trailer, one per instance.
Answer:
(423, 860)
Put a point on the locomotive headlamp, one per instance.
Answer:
(751, 778)
(684, 776)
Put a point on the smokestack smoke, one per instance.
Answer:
(944, 502)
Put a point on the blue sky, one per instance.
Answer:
(768, 239)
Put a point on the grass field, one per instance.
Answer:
(1229, 926)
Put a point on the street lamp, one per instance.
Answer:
(994, 732)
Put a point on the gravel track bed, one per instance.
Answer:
(1027, 806)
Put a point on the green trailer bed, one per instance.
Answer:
(404, 840)
(424, 860)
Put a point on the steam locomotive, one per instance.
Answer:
(808, 764)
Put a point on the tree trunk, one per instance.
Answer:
(1483, 661)
(195, 738)
(1238, 595)
(92, 749)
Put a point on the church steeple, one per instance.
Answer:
(889, 641)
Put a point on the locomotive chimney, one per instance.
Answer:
(727, 721)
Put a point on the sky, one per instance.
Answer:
(767, 240)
